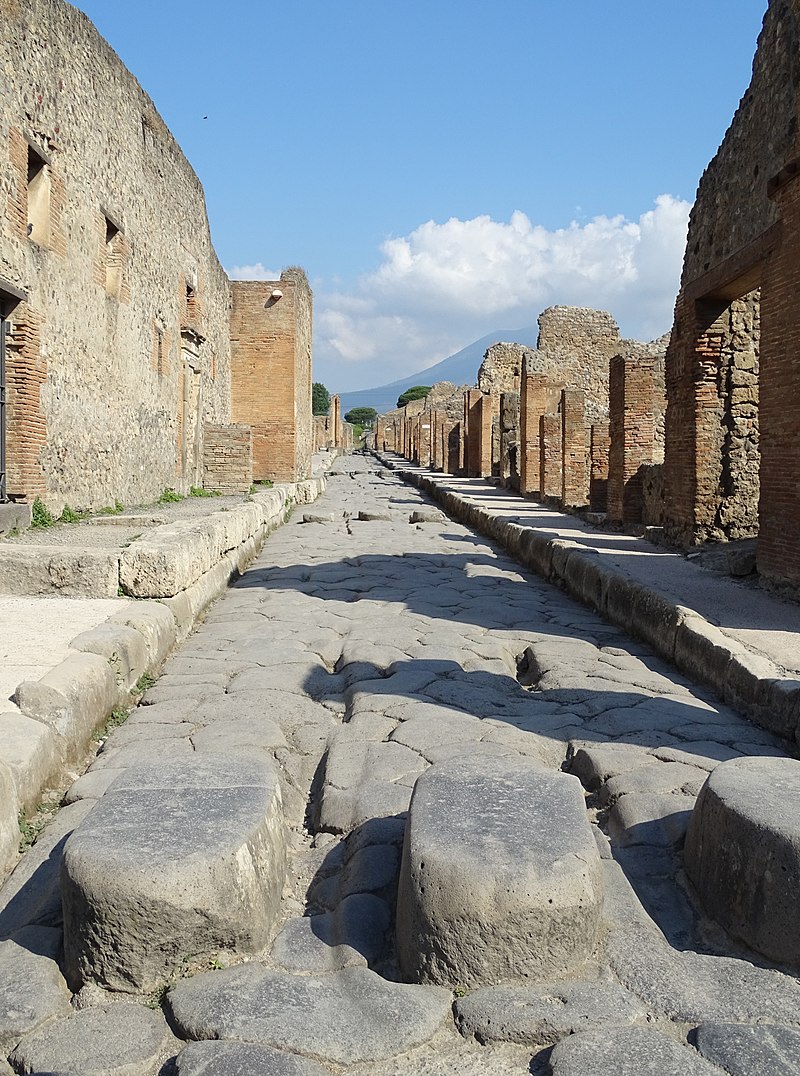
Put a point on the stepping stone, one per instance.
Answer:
(544, 1014)
(750, 1051)
(352, 935)
(427, 515)
(501, 878)
(184, 856)
(742, 853)
(115, 1040)
(241, 1059)
(318, 517)
(633, 1051)
(32, 988)
(374, 516)
(345, 1018)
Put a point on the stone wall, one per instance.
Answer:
(271, 372)
(228, 458)
(120, 354)
(501, 369)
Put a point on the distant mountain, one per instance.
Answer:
(461, 368)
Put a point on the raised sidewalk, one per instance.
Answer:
(742, 641)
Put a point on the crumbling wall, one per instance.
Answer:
(120, 354)
(501, 369)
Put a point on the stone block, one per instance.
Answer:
(9, 810)
(742, 853)
(630, 1051)
(741, 1050)
(242, 1059)
(501, 876)
(32, 989)
(154, 623)
(71, 573)
(179, 857)
(123, 648)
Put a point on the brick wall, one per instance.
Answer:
(550, 480)
(600, 444)
(538, 397)
(574, 486)
(487, 406)
(228, 458)
(509, 438)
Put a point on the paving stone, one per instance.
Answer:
(658, 778)
(742, 1050)
(743, 853)
(242, 1059)
(32, 988)
(246, 731)
(541, 1015)
(500, 878)
(594, 764)
(703, 753)
(352, 935)
(421, 734)
(177, 858)
(115, 1040)
(342, 810)
(345, 1017)
(350, 764)
(634, 1051)
(650, 818)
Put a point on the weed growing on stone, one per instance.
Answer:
(112, 509)
(460, 991)
(169, 496)
(196, 491)
(69, 515)
(113, 721)
(144, 682)
(41, 516)
(261, 484)
(30, 828)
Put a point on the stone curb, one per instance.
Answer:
(61, 712)
(743, 679)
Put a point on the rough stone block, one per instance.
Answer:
(501, 877)
(242, 1059)
(179, 857)
(32, 989)
(9, 810)
(632, 1051)
(742, 853)
(71, 573)
(741, 1050)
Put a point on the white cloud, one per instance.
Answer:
(253, 272)
(445, 285)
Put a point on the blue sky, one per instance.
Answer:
(442, 168)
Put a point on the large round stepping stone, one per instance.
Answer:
(242, 1059)
(742, 1050)
(180, 858)
(345, 1017)
(630, 1051)
(115, 1040)
(742, 853)
(501, 877)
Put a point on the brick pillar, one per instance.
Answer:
(425, 438)
(538, 397)
(779, 401)
(336, 422)
(473, 424)
(509, 438)
(463, 438)
(631, 392)
(573, 448)
(450, 442)
(598, 481)
(438, 449)
(550, 456)
(485, 416)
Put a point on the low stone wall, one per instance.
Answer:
(179, 570)
(743, 679)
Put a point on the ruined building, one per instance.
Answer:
(733, 366)
(119, 374)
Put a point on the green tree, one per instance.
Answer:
(415, 393)
(320, 399)
(361, 416)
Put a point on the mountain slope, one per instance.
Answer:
(460, 368)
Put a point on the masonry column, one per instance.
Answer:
(779, 401)
(632, 430)
(550, 456)
(598, 481)
(425, 438)
(537, 397)
(573, 448)
(473, 447)
(485, 416)
(509, 439)
(336, 422)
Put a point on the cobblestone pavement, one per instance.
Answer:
(236, 878)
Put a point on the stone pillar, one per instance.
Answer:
(509, 439)
(463, 438)
(573, 448)
(632, 430)
(336, 422)
(550, 456)
(438, 453)
(473, 425)
(598, 481)
(425, 438)
(451, 440)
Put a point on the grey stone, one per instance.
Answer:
(9, 825)
(32, 988)
(242, 1059)
(630, 1051)
(374, 515)
(542, 1015)
(345, 1017)
(179, 857)
(116, 1040)
(350, 763)
(650, 818)
(742, 853)
(342, 810)
(594, 764)
(319, 517)
(658, 778)
(742, 1050)
(246, 731)
(427, 515)
(501, 877)
(352, 935)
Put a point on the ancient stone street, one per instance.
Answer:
(399, 806)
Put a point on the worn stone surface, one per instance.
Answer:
(113, 1040)
(349, 1016)
(750, 1051)
(32, 989)
(743, 853)
(500, 876)
(242, 1059)
(184, 857)
(636, 1051)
